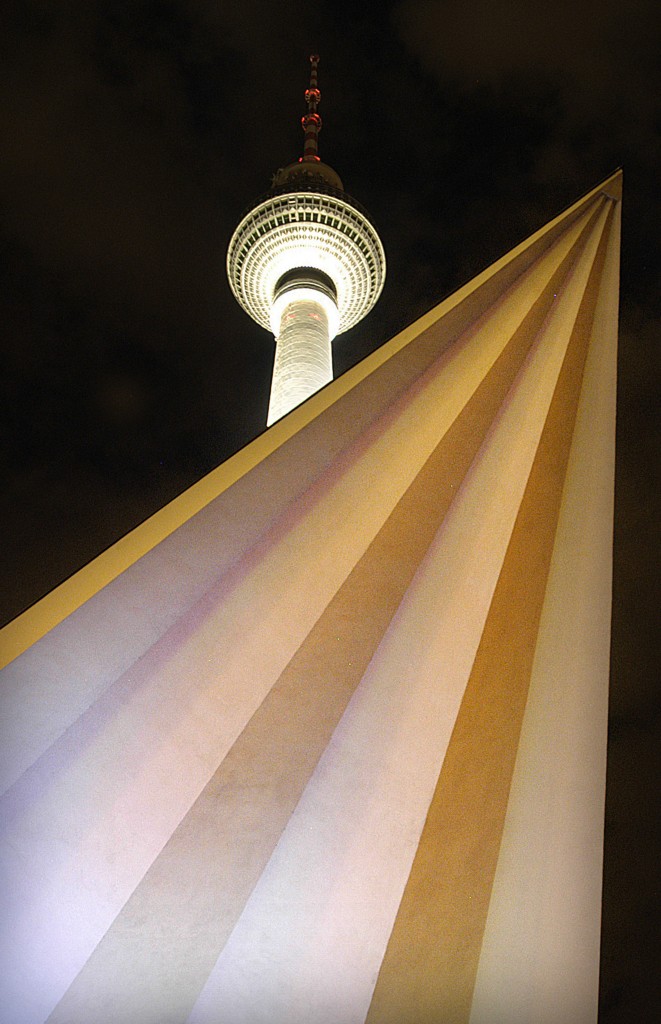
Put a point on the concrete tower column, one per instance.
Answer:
(304, 320)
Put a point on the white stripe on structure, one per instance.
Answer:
(540, 956)
(312, 936)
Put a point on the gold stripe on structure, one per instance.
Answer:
(157, 955)
(428, 972)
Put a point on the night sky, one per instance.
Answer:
(134, 136)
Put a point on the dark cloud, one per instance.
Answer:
(587, 74)
(601, 53)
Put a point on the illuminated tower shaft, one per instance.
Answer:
(305, 320)
(307, 263)
(303, 360)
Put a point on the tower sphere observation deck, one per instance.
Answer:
(305, 262)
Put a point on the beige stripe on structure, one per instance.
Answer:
(159, 951)
(429, 969)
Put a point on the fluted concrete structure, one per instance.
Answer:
(324, 740)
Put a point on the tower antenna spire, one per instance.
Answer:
(312, 120)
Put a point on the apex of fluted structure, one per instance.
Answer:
(339, 711)
(306, 263)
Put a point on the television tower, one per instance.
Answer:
(306, 263)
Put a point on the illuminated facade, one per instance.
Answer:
(324, 740)
(307, 264)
